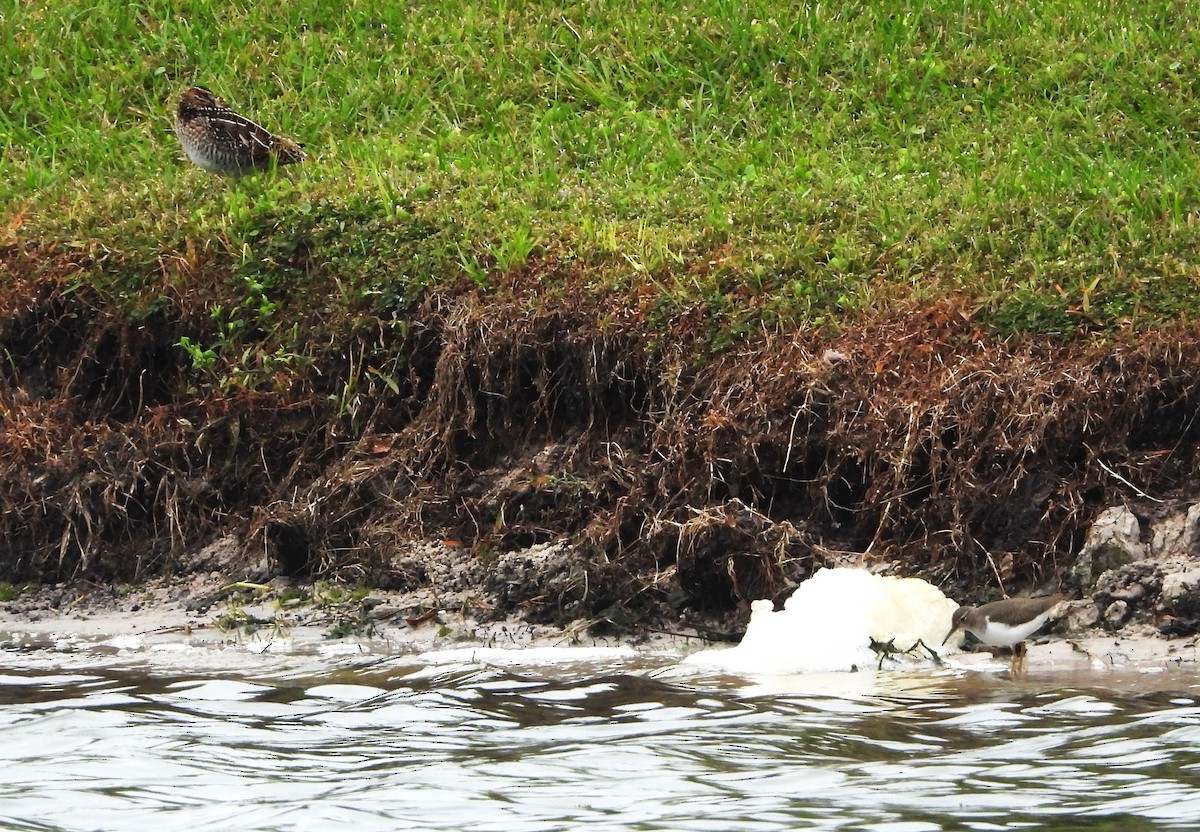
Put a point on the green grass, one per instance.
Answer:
(780, 163)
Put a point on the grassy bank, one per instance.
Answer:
(779, 164)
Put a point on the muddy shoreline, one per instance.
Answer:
(158, 618)
(159, 630)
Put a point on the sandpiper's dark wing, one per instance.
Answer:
(1017, 611)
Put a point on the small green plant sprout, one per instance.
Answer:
(202, 358)
(515, 249)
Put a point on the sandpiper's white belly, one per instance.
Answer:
(1005, 635)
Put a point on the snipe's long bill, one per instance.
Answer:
(219, 140)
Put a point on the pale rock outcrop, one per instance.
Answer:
(1113, 541)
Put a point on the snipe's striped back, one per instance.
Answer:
(219, 140)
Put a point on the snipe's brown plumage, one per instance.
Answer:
(219, 140)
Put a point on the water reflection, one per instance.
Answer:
(620, 745)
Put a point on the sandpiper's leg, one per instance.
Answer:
(1018, 661)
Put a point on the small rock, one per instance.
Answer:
(1178, 584)
(1113, 541)
(1176, 535)
(1129, 591)
(1116, 614)
(1131, 582)
(1181, 593)
(1082, 616)
(1137, 593)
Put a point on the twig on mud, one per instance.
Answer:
(246, 585)
(787, 460)
(933, 654)
(186, 629)
(1117, 476)
(888, 649)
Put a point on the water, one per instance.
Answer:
(613, 742)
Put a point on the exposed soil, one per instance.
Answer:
(567, 455)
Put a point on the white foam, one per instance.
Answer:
(829, 622)
(124, 643)
(342, 648)
(173, 647)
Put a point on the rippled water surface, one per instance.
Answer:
(616, 744)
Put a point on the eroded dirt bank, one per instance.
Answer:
(571, 455)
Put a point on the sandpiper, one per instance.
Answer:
(1005, 623)
(219, 140)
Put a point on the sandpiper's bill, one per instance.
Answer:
(1005, 623)
(219, 140)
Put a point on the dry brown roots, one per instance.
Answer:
(683, 478)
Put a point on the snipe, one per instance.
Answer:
(217, 139)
